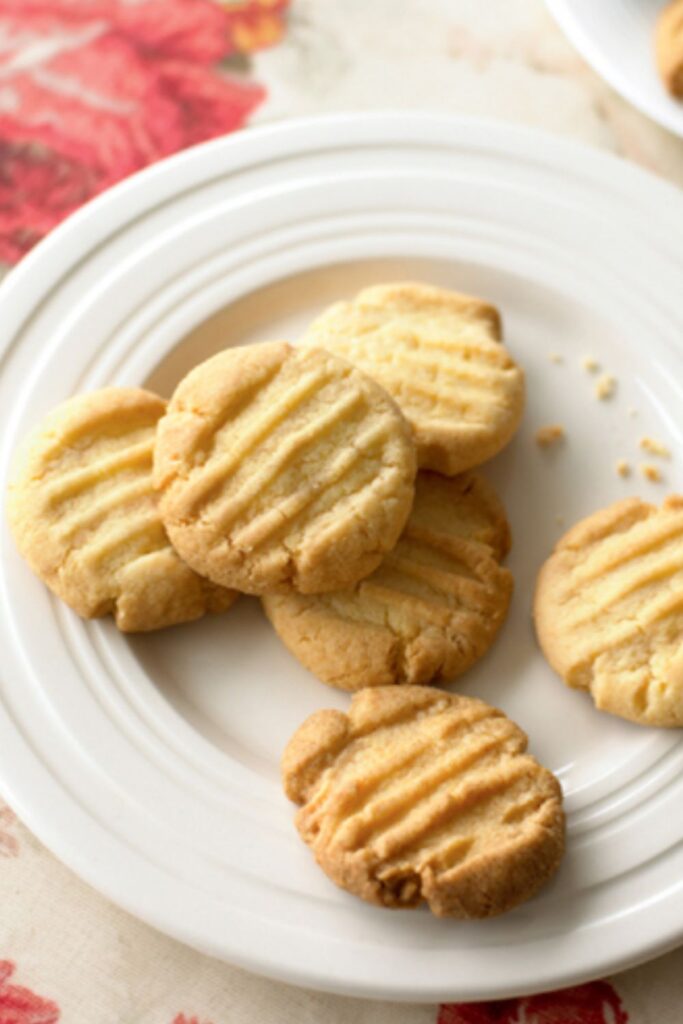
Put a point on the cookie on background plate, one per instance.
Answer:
(609, 610)
(418, 795)
(431, 609)
(84, 515)
(439, 355)
(283, 470)
(669, 47)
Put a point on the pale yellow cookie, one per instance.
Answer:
(439, 355)
(84, 515)
(283, 470)
(609, 610)
(669, 47)
(431, 609)
(419, 795)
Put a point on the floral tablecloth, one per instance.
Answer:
(93, 90)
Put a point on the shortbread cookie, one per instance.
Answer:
(430, 610)
(609, 610)
(669, 47)
(419, 795)
(439, 355)
(84, 515)
(283, 470)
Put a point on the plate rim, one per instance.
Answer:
(601, 163)
(74, 236)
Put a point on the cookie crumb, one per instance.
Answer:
(550, 435)
(623, 468)
(555, 357)
(633, 413)
(605, 387)
(590, 364)
(654, 447)
(651, 473)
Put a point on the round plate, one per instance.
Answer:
(617, 38)
(150, 764)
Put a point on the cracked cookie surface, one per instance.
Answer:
(419, 795)
(609, 610)
(283, 470)
(431, 609)
(439, 355)
(84, 515)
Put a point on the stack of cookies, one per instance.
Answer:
(335, 480)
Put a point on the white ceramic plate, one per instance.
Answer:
(616, 37)
(150, 765)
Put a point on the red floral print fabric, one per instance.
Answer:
(594, 1003)
(92, 90)
(18, 1005)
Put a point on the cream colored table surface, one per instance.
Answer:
(504, 59)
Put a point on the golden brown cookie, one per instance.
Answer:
(430, 610)
(669, 47)
(609, 610)
(283, 470)
(421, 795)
(84, 515)
(439, 355)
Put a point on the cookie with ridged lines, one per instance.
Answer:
(84, 515)
(283, 470)
(439, 354)
(609, 610)
(669, 47)
(431, 609)
(418, 795)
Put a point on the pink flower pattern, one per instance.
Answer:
(93, 90)
(594, 1003)
(18, 1005)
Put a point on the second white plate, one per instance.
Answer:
(617, 37)
(150, 764)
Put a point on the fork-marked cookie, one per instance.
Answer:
(419, 795)
(431, 609)
(283, 470)
(439, 354)
(84, 515)
(609, 609)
